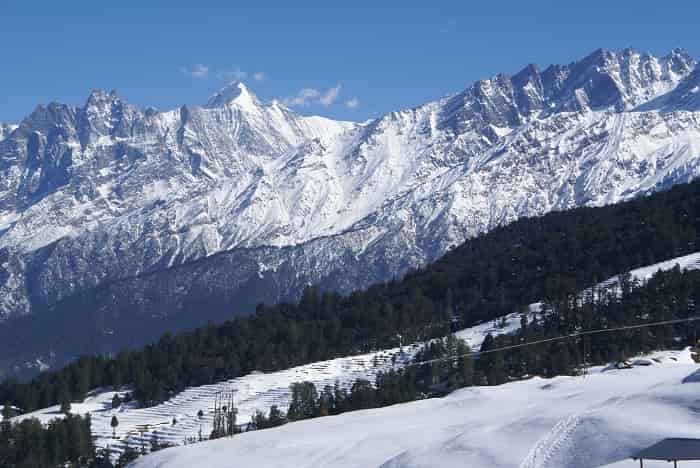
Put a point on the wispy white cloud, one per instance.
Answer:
(232, 74)
(308, 96)
(235, 74)
(353, 103)
(330, 96)
(196, 71)
(304, 97)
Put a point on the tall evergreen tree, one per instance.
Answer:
(114, 423)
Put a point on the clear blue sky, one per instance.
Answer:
(386, 54)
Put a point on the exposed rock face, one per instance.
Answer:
(145, 213)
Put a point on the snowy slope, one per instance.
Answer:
(97, 401)
(249, 201)
(565, 422)
(256, 391)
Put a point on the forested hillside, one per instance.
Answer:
(547, 344)
(543, 258)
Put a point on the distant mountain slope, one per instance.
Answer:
(151, 213)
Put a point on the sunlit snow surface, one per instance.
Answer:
(565, 422)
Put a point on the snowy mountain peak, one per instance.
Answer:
(603, 80)
(105, 114)
(235, 92)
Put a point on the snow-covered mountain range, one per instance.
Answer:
(143, 213)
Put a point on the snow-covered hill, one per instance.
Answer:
(565, 422)
(255, 391)
(140, 211)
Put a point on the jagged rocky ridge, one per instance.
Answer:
(146, 215)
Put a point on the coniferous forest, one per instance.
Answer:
(64, 442)
(551, 258)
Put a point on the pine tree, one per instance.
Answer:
(304, 401)
(362, 395)
(231, 415)
(339, 397)
(114, 423)
(276, 417)
(155, 443)
(128, 455)
(200, 416)
(326, 402)
(6, 426)
(65, 406)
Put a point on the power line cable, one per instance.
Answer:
(557, 338)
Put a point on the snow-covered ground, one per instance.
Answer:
(565, 422)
